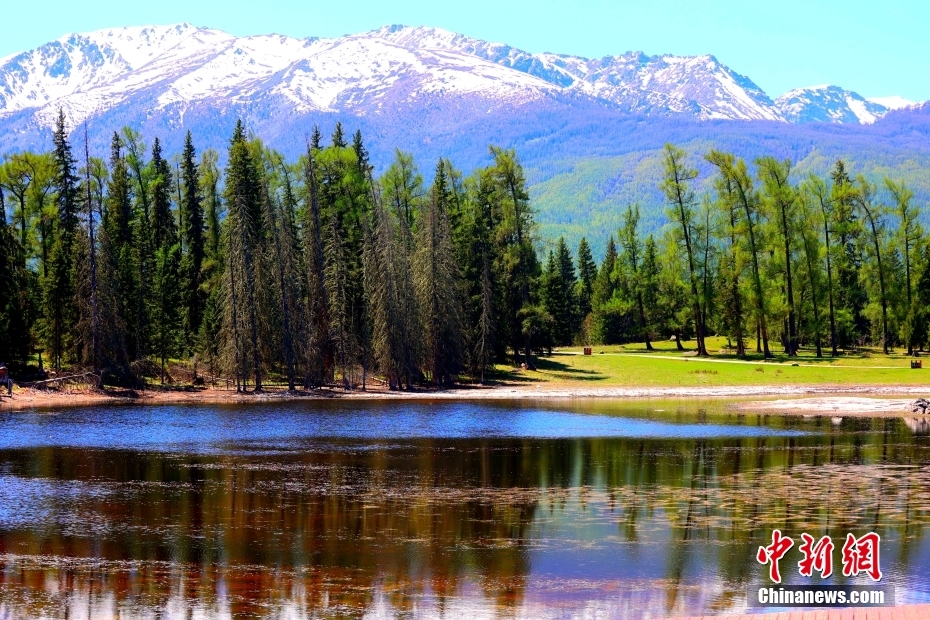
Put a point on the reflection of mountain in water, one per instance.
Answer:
(463, 527)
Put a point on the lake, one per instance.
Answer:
(636, 509)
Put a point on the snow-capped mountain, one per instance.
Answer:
(181, 64)
(634, 82)
(894, 103)
(828, 104)
(166, 74)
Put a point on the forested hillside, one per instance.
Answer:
(583, 175)
(316, 270)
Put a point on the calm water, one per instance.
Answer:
(368, 509)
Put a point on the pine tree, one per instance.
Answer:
(164, 229)
(337, 281)
(279, 221)
(88, 276)
(390, 290)
(587, 274)
(319, 351)
(604, 284)
(144, 246)
(649, 273)
(437, 281)
(243, 248)
(192, 215)
(851, 296)
(515, 224)
(632, 264)
(559, 293)
(208, 339)
(361, 154)
(166, 303)
(60, 310)
(339, 140)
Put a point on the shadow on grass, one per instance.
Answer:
(552, 368)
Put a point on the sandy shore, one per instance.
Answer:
(806, 399)
(839, 405)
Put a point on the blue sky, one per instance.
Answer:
(874, 48)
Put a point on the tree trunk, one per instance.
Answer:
(792, 345)
(826, 235)
(757, 280)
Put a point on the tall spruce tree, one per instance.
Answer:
(243, 249)
(587, 274)
(167, 296)
(319, 362)
(438, 286)
(60, 310)
(192, 216)
(632, 258)
(559, 281)
(144, 246)
(515, 231)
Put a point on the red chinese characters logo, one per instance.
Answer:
(860, 555)
(773, 553)
(817, 556)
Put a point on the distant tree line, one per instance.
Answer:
(315, 272)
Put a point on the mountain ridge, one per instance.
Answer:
(91, 73)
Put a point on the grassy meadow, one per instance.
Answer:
(631, 365)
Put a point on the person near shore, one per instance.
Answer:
(5, 379)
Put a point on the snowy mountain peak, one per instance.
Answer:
(829, 104)
(140, 44)
(133, 71)
(894, 102)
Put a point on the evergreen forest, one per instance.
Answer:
(313, 272)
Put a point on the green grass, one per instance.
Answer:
(632, 366)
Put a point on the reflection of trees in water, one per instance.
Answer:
(339, 528)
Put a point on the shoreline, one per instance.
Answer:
(796, 400)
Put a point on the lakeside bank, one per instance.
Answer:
(826, 399)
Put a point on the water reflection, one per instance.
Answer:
(265, 512)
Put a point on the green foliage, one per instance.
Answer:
(318, 273)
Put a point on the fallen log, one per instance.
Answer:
(47, 382)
